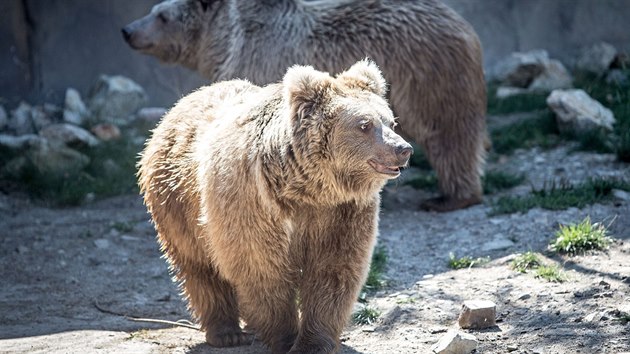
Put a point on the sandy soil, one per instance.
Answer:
(70, 276)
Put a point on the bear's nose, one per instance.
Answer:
(404, 151)
(126, 33)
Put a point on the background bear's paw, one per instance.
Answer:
(444, 204)
(228, 338)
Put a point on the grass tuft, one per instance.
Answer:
(561, 195)
(365, 316)
(495, 181)
(526, 261)
(123, 226)
(551, 273)
(540, 131)
(465, 262)
(375, 279)
(527, 102)
(580, 238)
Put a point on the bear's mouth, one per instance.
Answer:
(393, 171)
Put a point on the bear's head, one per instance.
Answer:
(345, 124)
(171, 31)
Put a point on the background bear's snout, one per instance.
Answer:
(126, 32)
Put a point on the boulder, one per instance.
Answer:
(68, 134)
(74, 111)
(597, 58)
(21, 122)
(554, 76)
(151, 114)
(106, 131)
(40, 118)
(115, 99)
(521, 68)
(56, 159)
(455, 342)
(577, 113)
(4, 119)
(16, 144)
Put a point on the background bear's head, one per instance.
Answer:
(345, 122)
(172, 30)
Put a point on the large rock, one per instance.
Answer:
(455, 342)
(554, 76)
(16, 144)
(68, 134)
(576, 112)
(21, 121)
(115, 99)
(597, 58)
(56, 160)
(74, 110)
(521, 68)
(40, 118)
(4, 119)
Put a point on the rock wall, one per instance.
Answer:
(49, 45)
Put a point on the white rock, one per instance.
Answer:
(21, 142)
(597, 58)
(499, 242)
(519, 69)
(40, 118)
(4, 119)
(68, 134)
(21, 122)
(478, 314)
(151, 114)
(577, 112)
(508, 91)
(455, 342)
(55, 159)
(554, 76)
(621, 194)
(115, 99)
(74, 110)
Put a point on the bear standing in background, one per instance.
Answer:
(428, 53)
(263, 195)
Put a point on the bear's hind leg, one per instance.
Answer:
(213, 303)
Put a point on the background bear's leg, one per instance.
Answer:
(335, 267)
(458, 162)
(213, 303)
(269, 307)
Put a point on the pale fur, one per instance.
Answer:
(261, 194)
(428, 53)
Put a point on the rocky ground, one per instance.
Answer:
(70, 276)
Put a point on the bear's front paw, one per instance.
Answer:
(228, 338)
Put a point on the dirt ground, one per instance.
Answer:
(69, 276)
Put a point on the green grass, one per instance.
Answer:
(580, 238)
(526, 261)
(465, 262)
(495, 181)
(617, 99)
(539, 131)
(123, 226)
(365, 316)
(551, 273)
(528, 102)
(561, 195)
(375, 280)
(98, 179)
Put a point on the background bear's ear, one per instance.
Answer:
(304, 87)
(365, 75)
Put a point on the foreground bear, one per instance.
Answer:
(264, 195)
(428, 53)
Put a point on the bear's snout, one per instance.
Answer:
(126, 32)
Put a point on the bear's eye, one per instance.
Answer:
(163, 17)
(365, 125)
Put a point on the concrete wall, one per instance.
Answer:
(48, 45)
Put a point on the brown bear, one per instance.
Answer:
(428, 53)
(261, 195)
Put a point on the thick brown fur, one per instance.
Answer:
(429, 54)
(261, 195)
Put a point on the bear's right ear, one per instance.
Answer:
(305, 87)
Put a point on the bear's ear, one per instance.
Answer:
(305, 87)
(365, 75)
